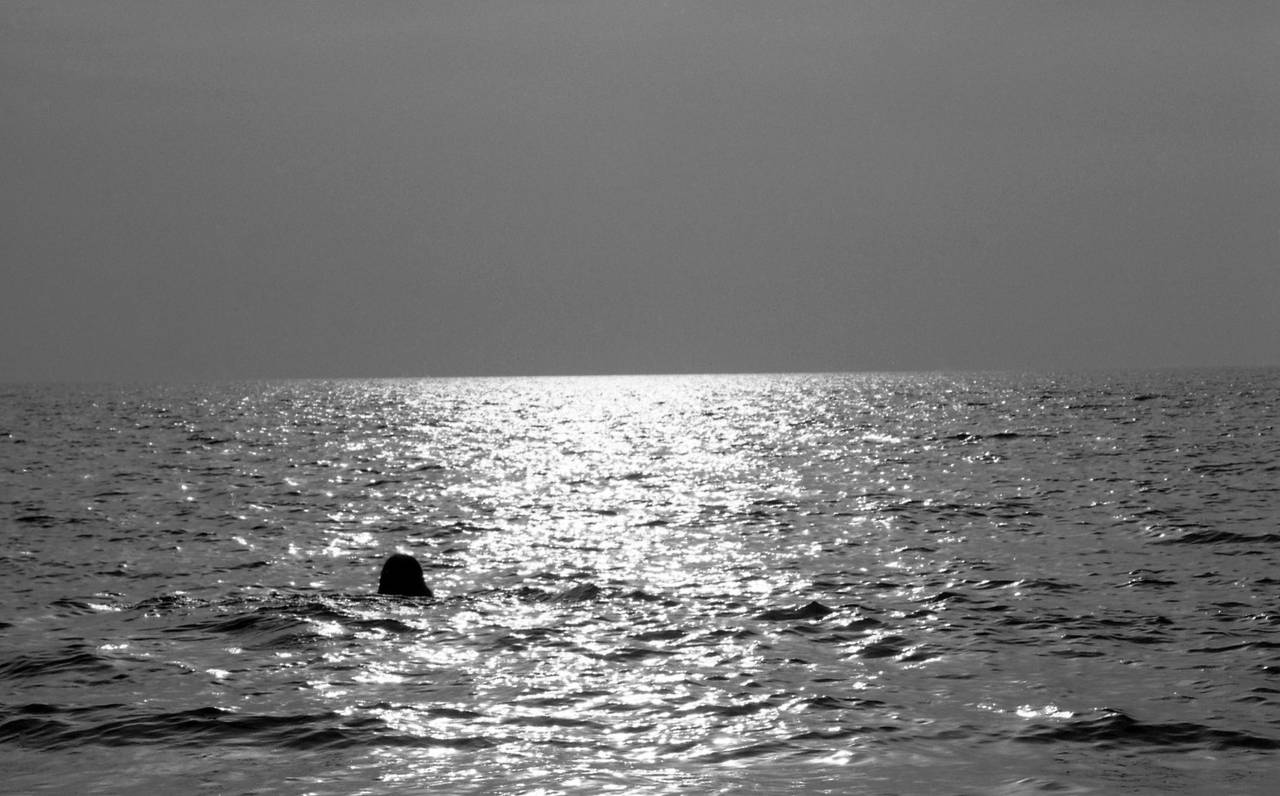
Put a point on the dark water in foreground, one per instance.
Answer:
(1036, 583)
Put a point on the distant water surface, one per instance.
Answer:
(906, 583)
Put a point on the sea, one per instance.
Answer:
(879, 583)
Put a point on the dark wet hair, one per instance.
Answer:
(402, 575)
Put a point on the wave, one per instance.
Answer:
(47, 727)
(1114, 728)
(60, 661)
(1221, 537)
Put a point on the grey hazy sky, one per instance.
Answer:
(218, 189)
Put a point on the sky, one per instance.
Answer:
(196, 190)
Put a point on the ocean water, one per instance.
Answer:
(880, 583)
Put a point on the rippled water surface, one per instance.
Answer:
(846, 583)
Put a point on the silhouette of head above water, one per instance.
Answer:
(402, 575)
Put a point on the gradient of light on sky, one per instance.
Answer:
(195, 189)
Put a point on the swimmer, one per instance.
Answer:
(402, 575)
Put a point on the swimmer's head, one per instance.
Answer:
(402, 575)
